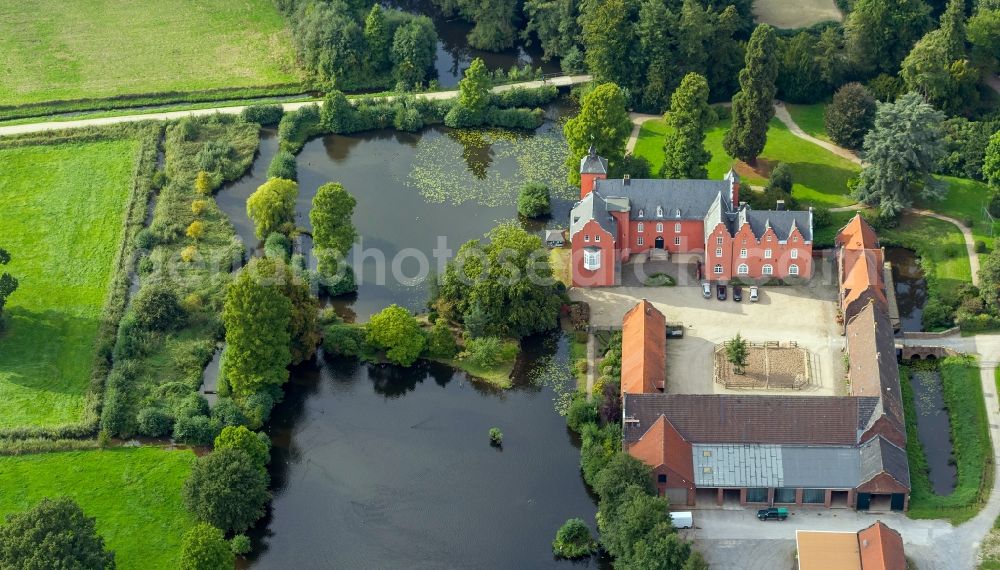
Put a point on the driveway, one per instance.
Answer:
(806, 315)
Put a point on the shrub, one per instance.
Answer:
(522, 97)
(198, 207)
(256, 445)
(936, 315)
(581, 411)
(527, 119)
(131, 338)
(885, 87)
(195, 230)
(283, 165)
(154, 422)
(228, 413)
(496, 436)
(195, 430)
(227, 489)
(297, 126)
(240, 544)
(533, 201)
(257, 408)
(277, 246)
(344, 340)
(573, 540)
(156, 307)
(214, 154)
(483, 352)
(205, 548)
(189, 253)
(980, 246)
(144, 239)
(408, 120)
(397, 332)
(262, 114)
(781, 178)
(659, 280)
(440, 341)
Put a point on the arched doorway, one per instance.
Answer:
(658, 244)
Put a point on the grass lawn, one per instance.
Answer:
(820, 177)
(809, 118)
(63, 222)
(964, 202)
(52, 50)
(134, 493)
(559, 260)
(791, 15)
(937, 242)
(963, 397)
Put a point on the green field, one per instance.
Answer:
(134, 493)
(820, 177)
(52, 50)
(963, 397)
(936, 241)
(63, 222)
(809, 118)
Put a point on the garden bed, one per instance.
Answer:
(767, 368)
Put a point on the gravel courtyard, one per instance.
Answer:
(804, 314)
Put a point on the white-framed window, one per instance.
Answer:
(677, 228)
(597, 237)
(586, 237)
(767, 253)
(743, 253)
(659, 211)
(795, 240)
(640, 227)
(591, 259)
(717, 269)
(677, 241)
(640, 241)
(718, 252)
(768, 238)
(793, 269)
(767, 270)
(718, 240)
(659, 227)
(743, 269)
(795, 254)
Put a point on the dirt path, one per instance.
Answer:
(637, 121)
(563, 80)
(970, 243)
(782, 114)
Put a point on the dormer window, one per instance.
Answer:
(677, 213)
(640, 212)
(659, 211)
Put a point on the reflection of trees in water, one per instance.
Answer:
(394, 381)
(477, 150)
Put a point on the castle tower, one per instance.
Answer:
(592, 169)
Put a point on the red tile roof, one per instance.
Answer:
(881, 548)
(857, 234)
(663, 445)
(644, 350)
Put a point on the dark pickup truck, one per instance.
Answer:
(779, 513)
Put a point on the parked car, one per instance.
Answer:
(775, 513)
(706, 290)
(720, 292)
(754, 297)
(737, 293)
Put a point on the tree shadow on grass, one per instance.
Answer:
(47, 351)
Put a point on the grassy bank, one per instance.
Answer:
(963, 397)
(940, 246)
(135, 494)
(64, 268)
(100, 49)
(820, 177)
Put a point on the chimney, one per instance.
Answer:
(626, 180)
(780, 206)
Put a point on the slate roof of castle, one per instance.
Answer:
(782, 222)
(680, 199)
(592, 207)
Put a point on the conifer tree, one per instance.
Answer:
(753, 106)
(684, 151)
(378, 40)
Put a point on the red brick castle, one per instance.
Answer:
(616, 219)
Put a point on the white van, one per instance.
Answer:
(683, 519)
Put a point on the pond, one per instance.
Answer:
(910, 287)
(381, 466)
(454, 53)
(933, 428)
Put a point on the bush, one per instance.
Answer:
(522, 97)
(484, 352)
(344, 340)
(533, 201)
(283, 165)
(257, 407)
(781, 178)
(240, 544)
(526, 119)
(196, 430)
(659, 280)
(440, 341)
(297, 126)
(198, 207)
(189, 253)
(205, 548)
(214, 154)
(262, 114)
(256, 445)
(850, 115)
(573, 540)
(154, 422)
(228, 413)
(131, 339)
(227, 489)
(395, 331)
(144, 239)
(936, 315)
(581, 411)
(277, 246)
(980, 246)
(408, 120)
(496, 436)
(886, 88)
(157, 308)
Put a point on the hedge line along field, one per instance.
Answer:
(63, 211)
(134, 493)
(52, 50)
